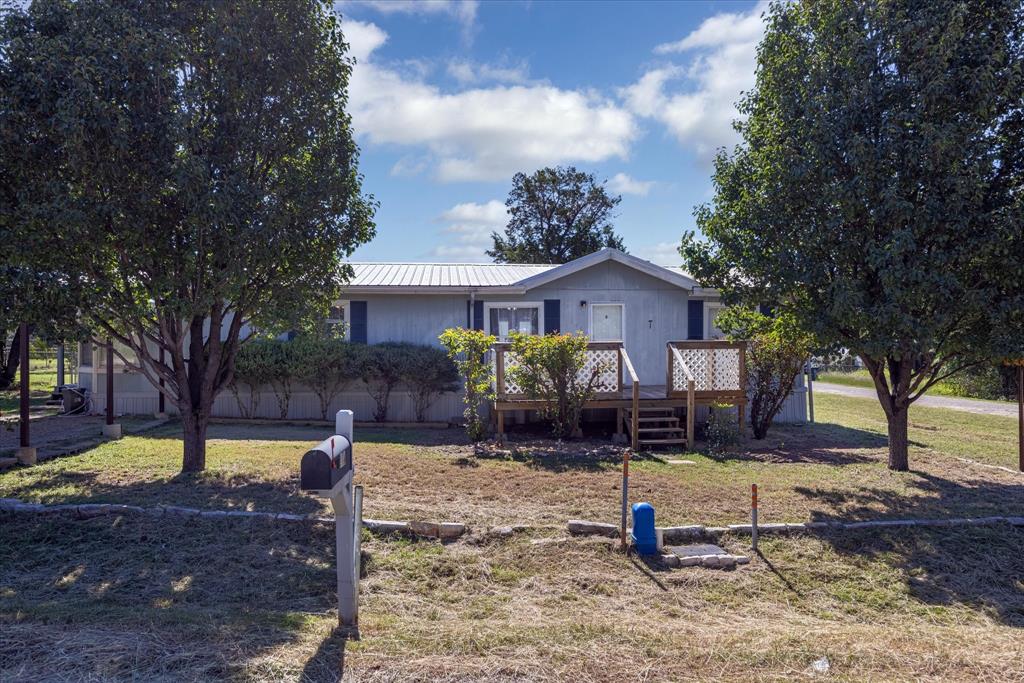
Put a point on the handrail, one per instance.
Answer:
(690, 401)
(634, 435)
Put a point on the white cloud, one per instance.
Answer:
(483, 133)
(701, 109)
(362, 38)
(462, 11)
(466, 72)
(468, 229)
(662, 253)
(624, 184)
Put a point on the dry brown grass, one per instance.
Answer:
(108, 599)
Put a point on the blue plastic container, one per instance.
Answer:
(644, 539)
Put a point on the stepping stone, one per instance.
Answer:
(695, 550)
(681, 462)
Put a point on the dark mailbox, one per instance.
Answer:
(327, 464)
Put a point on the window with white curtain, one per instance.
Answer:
(503, 319)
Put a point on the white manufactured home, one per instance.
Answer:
(614, 298)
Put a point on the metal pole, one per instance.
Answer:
(23, 353)
(753, 516)
(60, 365)
(625, 499)
(110, 382)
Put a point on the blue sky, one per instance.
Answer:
(450, 99)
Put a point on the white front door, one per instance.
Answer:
(607, 322)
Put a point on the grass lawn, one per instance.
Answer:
(245, 600)
(42, 378)
(862, 378)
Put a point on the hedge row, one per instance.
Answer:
(329, 366)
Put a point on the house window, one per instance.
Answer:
(712, 318)
(337, 322)
(85, 355)
(607, 322)
(503, 319)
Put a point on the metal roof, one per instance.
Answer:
(510, 277)
(443, 274)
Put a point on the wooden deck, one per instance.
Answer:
(697, 373)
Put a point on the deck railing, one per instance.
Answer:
(677, 365)
(605, 357)
(634, 418)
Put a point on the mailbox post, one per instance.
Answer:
(327, 470)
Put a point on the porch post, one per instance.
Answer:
(25, 454)
(110, 429)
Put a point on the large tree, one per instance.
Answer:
(877, 194)
(556, 215)
(209, 171)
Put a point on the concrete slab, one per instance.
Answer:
(695, 550)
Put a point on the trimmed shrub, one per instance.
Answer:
(383, 367)
(428, 373)
(254, 367)
(550, 368)
(327, 365)
(468, 349)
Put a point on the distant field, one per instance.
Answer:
(862, 378)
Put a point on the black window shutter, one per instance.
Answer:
(552, 316)
(695, 320)
(357, 326)
(469, 314)
(766, 310)
(478, 315)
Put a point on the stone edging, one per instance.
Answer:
(441, 530)
(675, 534)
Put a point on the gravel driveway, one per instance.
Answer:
(967, 405)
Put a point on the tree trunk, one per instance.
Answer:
(194, 424)
(898, 457)
(10, 367)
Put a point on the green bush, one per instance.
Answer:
(254, 368)
(384, 366)
(987, 381)
(550, 368)
(776, 351)
(327, 365)
(722, 430)
(468, 349)
(428, 372)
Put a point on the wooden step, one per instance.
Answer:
(658, 419)
(648, 411)
(661, 442)
(660, 430)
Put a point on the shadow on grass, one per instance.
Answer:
(210, 490)
(818, 444)
(220, 597)
(315, 432)
(978, 566)
(327, 665)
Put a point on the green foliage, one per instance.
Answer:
(556, 215)
(878, 193)
(327, 365)
(199, 159)
(987, 381)
(384, 366)
(776, 352)
(469, 348)
(722, 429)
(551, 368)
(254, 368)
(429, 372)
